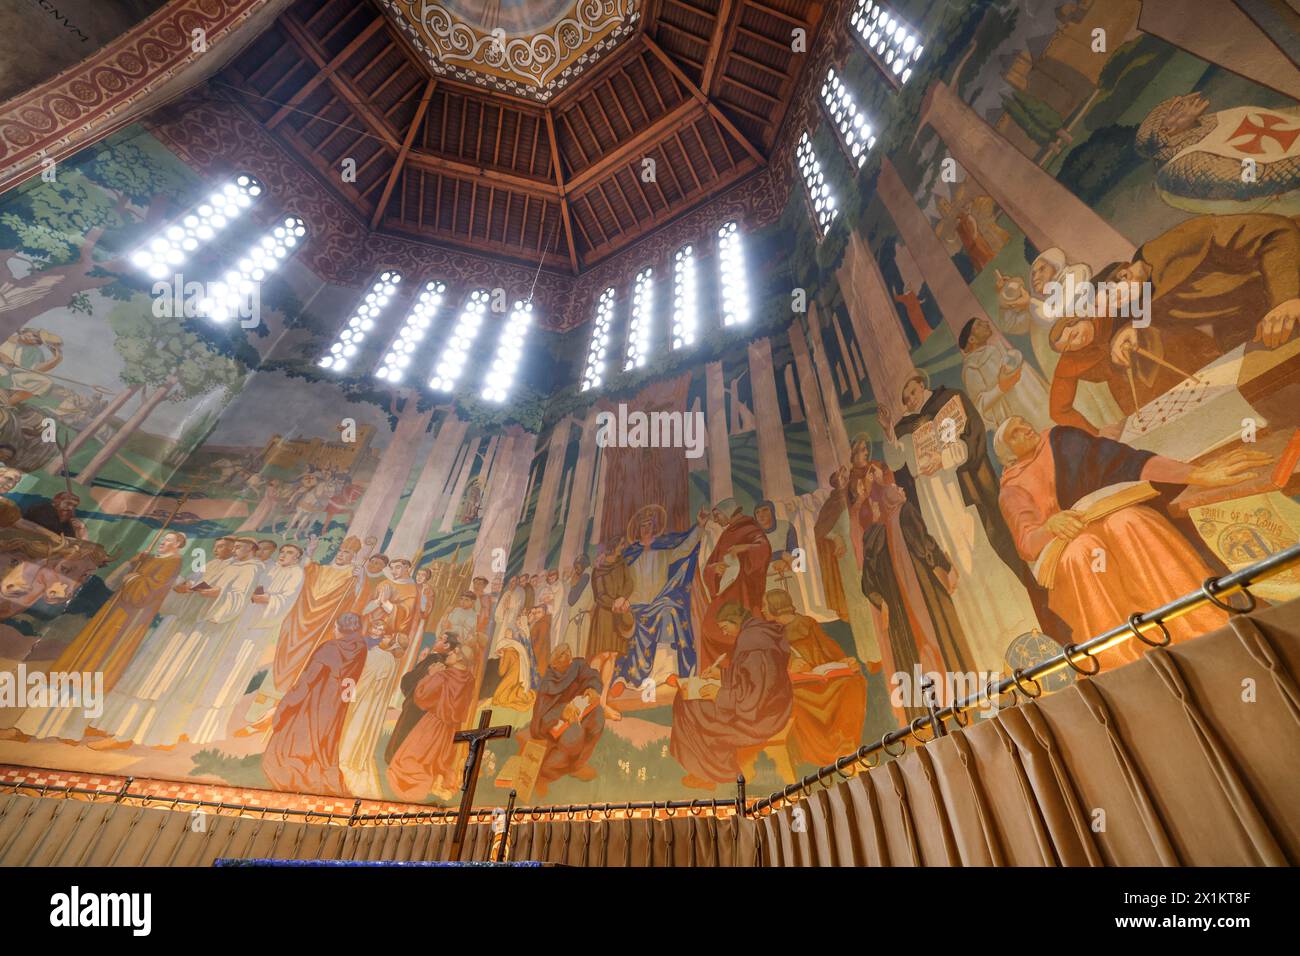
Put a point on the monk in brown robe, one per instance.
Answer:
(1233, 277)
(751, 705)
(744, 540)
(612, 622)
(302, 754)
(426, 760)
(568, 718)
(829, 709)
(328, 590)
(110, 639)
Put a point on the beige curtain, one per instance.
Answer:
(1190, 756)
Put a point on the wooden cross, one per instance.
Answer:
(476, 738)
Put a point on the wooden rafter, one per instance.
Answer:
(324, 68)
(717, 44)
(564, 199)
(402, 153)
(704, 100)
(626, 151)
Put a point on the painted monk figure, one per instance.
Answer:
(749, 706)
(1056, 480)
(744, 545)
(110, 639)
(427, 760)
(568, 718)
(830, 693)
(302, 754)
(328, 590)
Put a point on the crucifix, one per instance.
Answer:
(476, 738)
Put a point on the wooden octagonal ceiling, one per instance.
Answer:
(700, 87)
(530, 48)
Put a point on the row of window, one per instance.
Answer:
(231, 296)
(895, 49)
(734, 297)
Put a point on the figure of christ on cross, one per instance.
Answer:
(476, 738)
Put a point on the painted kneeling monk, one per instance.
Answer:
(302, 753)
(750, 703)
(426, 760)
(568, 718)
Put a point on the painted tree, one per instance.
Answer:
(165, 361)
(60, 228)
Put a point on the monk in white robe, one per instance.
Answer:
(367, 710)
(131, 708)
(273, 597)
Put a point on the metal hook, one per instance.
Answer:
(1019, 675)
(1072, 648)
(911, 728)
(1135, 625)
(1224, 605)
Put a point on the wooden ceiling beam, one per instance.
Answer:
(598, 253)
(704, 100)
(407, 141)
(626, 151)
(297, 33)
(772, 11)
(537, 188)
(564, 199)
(718, 42)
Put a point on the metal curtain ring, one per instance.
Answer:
(806, 785)
(695, 809)
(1073, 648)
(957, 716)
(669, 809)
(628, 811)
(826, 781)
(869, 760)
(911, 729)
(991, 692)
(840, 770)
(884, 745)
(1018, 675)
(571, 813)
(1224, 605)
(590, 812)
(608, 811)
(1135, 625)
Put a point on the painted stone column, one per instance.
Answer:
(1046, 210)
(379, 501)
(773, 461)
(504, 502)
(575, 525)
(826, 380)
(715, 414)
(413, 529)
(547, 498)
(875, 321)
(819, 432)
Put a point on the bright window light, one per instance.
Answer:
(894, 45)
(398, 357)
(233, 294)
(167, 251)
(856, 135)
(502, 373)
(685, 302)
(814, 180)
(735, 296)
(361, 322)
(594, 372)
(638, 333)
(454, 353)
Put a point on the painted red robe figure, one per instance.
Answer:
(568, 718)
(302, 754)
(749, 706)
(743, 540)
(426, 760)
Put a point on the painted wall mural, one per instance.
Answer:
(977, 442)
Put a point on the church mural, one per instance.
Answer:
(1041, 373)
